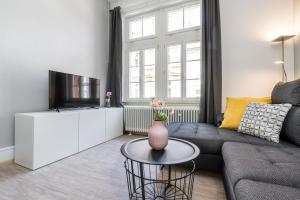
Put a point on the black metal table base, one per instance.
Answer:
(157, 182)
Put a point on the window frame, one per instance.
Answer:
(183, 97)
(143, 72)
(141, 65)
(194, 28)
(185, 68)
(127, 29)
(160, 41)
(166, 64)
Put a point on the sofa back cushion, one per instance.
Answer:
(287, 93)
(291, 126)
(235, 108)
(264, 120)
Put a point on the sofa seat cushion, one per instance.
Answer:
(271, 164)
(210, 138)
(254, 190)
(234, 136)
(205, 136)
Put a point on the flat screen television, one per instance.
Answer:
(72, 91)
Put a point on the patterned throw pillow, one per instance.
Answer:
(264, 120)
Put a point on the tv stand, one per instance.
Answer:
(45, 137)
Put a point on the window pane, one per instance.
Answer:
(149, 89)
(193, 69)
(134, 74)
(149, 57)
(134, 90)
(193, 88)
(134, 59)
(175, 20)
(149, 26)
(174, 89)
(192, 16)
(135, 29)
(193, 51)
(149, 73)
(174, 71)
(174, 53)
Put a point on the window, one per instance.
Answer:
(142, 27)
(175, 20)
(145, 85)
(134, 74)
(193, 69)
(162, 55)
(174, 71)
(149, 73)
(183, 18)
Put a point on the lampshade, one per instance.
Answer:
(283, 38)
(279, 62)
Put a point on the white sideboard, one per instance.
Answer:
(111, 128)
(45, 137)
(92, 128)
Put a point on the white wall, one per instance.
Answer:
(248, 54)
(297, 39)
(38, 35)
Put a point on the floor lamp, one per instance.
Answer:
(282, 39)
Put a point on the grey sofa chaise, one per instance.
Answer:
(253, 169)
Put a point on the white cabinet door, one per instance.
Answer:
(55, 137)
(24, 140)
(114, 123)
(91, 128)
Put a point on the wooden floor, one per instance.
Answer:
(96, 173)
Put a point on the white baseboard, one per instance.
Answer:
(7, 153)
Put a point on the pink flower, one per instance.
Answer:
(157, 103)
(108, 94)
(161, 103)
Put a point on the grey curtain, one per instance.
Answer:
(211, 83)
(114, 76)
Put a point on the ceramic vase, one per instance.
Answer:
(158, 136)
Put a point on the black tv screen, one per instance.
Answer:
(73, 91)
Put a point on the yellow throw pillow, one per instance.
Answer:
(235, 108)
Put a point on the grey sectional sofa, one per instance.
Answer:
(253, 169)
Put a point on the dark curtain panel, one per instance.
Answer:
(114, 76)
(211, 83)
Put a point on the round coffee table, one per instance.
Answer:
(166, 174)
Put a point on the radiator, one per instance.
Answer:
(140, 118)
